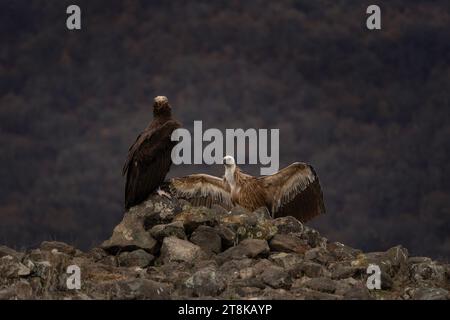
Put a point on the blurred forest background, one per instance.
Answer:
(369, 109)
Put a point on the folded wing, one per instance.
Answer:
(202, 190)
(294, 191)
(149, 160)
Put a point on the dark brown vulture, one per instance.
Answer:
(293, 191)
(149, 158)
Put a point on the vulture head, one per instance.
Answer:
(161, 106)
(228, 161)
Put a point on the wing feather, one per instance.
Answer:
(295, 191)
(202, 190)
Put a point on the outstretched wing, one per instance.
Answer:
(149, 160)
(294, 191)
(202, 190)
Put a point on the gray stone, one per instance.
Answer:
(10, 267)
(5, 251)
(341, 252)
(277, 277)
(288, 261)
(161, 231)
(207, 238)
(137, 289)
(321, 284)
(238, 210)
(288, 243)
(309, 294)
(138, 258)
(130, 234)
(320, 255)
(262, 213)
(262, 265)
(231, 268)
(392, 262)
(343, 271)
(358, 292)
(60, 246)
(252, 225)
(177, 250)
(310, 269)
(416, 260)
(428, 272)
(249, 248)
(193, 217)
(206, 282)
(156, 210)
(287, 225)
(228, 236)
(430, 294)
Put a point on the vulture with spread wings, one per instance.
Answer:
(149, 158)
(293, 191)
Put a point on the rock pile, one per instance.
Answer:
(167, 249)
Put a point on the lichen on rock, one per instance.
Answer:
(167, 249)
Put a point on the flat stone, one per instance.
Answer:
(138, 289)
(431, 294)
(177, 250)
(138, 258)
(249, 248)
(60, 246)
(288, 243)
(321, 284)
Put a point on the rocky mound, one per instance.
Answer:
(167, 249)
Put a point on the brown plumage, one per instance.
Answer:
(149, 158)
(293, 191)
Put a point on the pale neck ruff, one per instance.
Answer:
(229, 176)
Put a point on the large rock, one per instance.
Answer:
(207, 238)
(156, 210)
(428, 272)
(392, 262)
(130, 235)
(167, 249)
(177, 250)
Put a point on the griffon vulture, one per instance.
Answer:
(149, 158)
(293, 191)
